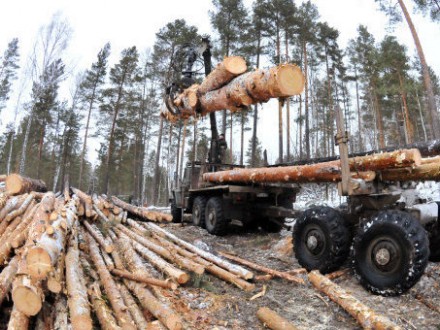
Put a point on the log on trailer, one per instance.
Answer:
(429, 170)
(321, 172)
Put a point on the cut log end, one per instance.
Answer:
(54, 285)
(27, 301)
(14, 183)
(235, 64)
(290, 80)
(83, 322)
(39, 263)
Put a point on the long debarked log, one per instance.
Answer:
(273, 321)
(209, 266)
(366, 317)
(160, 250)
(321, 172)
(43, 256)
(27, 293)
(135, 311)
(97, 235)
(161, 311)
(142, 212)
(263, 269)
(235, 269)
(142, 279)
(17, 184)
(78, 302)
(7, 276)
(111, 290)
(180, 276)
(102, 311)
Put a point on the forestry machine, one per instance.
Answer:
(389, 231)
(214, 206)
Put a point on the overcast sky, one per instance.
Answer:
(135, 22)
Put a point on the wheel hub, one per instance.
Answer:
(315, 241)
(312, 242)
(385, 254)
(383, 257)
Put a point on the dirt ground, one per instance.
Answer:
(210, 303)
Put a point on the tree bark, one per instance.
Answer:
(366, 317)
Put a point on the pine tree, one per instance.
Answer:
(395, 64)
(117, 100)
(8, 71)
(90, 91)
(307, 30)
(366, 55)
(230, 20)
(395, 16)
(278, 18)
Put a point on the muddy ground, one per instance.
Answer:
(210, 303)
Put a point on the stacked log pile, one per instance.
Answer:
(229, 86)
(81, 261)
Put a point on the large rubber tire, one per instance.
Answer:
(198, 211)
(434, 240)
(271, 227)
(176, 212)
(215, 222)
(391, 252)
(321, 239)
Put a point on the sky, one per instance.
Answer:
(135, 22)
